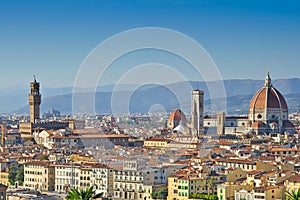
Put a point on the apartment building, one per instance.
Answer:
(226, 190)
(246, 165)
(66, 176)
(155, 142)
(293, 183)
(101, 177)
(39, 175)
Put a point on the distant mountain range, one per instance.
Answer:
(172, 96)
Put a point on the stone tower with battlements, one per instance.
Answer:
(34, 99)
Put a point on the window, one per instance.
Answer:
(259, 116)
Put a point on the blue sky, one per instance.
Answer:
(51, 38)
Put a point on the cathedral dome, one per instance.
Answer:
(177, 115)
(268, 97)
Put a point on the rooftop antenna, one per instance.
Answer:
(197, 84)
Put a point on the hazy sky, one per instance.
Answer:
(51, 38)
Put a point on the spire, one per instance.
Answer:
(34, 80)
(268, 80)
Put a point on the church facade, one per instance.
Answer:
(268, 113)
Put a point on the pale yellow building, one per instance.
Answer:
(181, 185)
(293, 183)
(260, 193)
(226, 190)
(4, 172)
(183, 145)
(246, 165)
(39, 175)
(235, 174)
(101, 177)
(4, 177)
(155, 142)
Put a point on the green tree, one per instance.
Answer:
(16, 173)
(81, 194)
(20, 175)
(12, 175)
(154, 195)
(44, 157)
(293, 195)
(162, 193)
(203, 196)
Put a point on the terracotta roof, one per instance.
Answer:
(268, 97)
(224, 142)
(92, 136)
(156, 139)
(218, 150)
(258, 124)
(39, 163)
(236, 161)
(284, 149)
(295, 178)
(254, 172)
(177, 115)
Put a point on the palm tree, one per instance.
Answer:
(80, 194)
(293, 195)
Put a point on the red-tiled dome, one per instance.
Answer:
(268, 97)
(177, 115)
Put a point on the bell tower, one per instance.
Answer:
(34, 99)
(197, 112)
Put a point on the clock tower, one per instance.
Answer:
(34, 99)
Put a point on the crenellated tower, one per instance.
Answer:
(34, 99)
